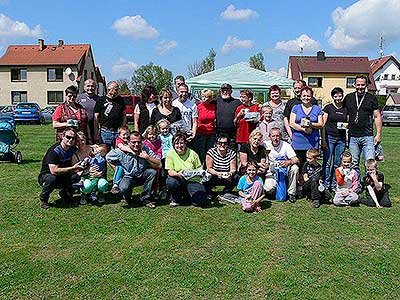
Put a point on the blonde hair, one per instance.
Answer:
(266, 107)
(206, 93)
(162, 121)
(123, 128)
(313, 152)
(256, 132)
(371, 163)
(149, 129)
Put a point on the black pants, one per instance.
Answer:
(228, 184)
(310, 189)
(383, 199)
(50, 182)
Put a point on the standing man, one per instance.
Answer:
(363, 110)
(109, 115)
(57, 171)
(88, 101)
(225, 114)
(188, 110)
(178, 80)
(139, 168)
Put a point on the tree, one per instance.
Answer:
(257, 61)
(151, 74)
(205, 66)
(124, 86)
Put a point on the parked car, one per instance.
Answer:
(130, 103)
(391, 114)
(27, 112)
(47, 114)
(7, 110)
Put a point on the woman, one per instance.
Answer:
(333, 139)
(143, 111)
(253, 151)
(70, 113)
(165, 110)
(244, 127)
(278, 107)
(178, 160)
(205, 135)
(221, 164)
(305, 121)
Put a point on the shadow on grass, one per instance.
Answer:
(29, 161)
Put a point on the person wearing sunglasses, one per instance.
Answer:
(57, 171)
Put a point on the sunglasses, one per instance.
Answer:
(70, 137)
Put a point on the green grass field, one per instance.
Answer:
(289, 251)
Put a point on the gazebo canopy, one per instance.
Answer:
(240, 76)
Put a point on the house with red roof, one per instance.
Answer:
(40, 73)
(323, 73)
(386, 72)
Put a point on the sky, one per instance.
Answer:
(126, 34)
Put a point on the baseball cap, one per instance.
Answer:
(226, 86)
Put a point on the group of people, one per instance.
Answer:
(181, 147)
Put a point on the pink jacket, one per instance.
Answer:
(155, 147)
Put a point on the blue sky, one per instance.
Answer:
(126, 34)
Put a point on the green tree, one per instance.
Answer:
(124, 86)
(257, 61)
(151, 74)
(205, 66)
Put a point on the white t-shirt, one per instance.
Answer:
(150, 107)
(188, 111)
(283, 151)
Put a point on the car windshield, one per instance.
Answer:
(27, 106)
(391, 108)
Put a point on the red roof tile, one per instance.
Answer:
(378, 63)
(331, 64)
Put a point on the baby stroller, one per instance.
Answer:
(9, 140)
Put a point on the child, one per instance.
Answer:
(312, 174)
(347, 182)
(120, 143)
(163, 127)
(267, 123)
(95, 179)
(376, 193)
(250, 188)
(152, 141)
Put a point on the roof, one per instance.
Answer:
(240, 76)
(331, 64)
(378, 63)
(395, 97)
(27, 55)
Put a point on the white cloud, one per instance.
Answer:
(233, 42)
(360, 25)
(124, 66)
(281, 72)
(164, 46)
(135, 27)
(230, 13)
(302, 42)
(11, 29)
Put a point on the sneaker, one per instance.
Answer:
(316, 203)
(44, 205)
(84, 199)
(173, 203)
(93, 197)
(115, 189)
(292, 198)
(101, 200)
(125, 200)
(354, 202)
(163, 195)
(150, 205)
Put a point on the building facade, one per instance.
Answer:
(386, 72)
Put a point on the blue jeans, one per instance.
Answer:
(108, 137)
(127, 183)
(335, 148)
(364, 145)
(178, 186)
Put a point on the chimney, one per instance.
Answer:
(60, 43)
(320, 55)
(41, 44)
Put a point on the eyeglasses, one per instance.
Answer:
(222, 143)
(70, 137)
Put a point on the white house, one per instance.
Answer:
(386, 72)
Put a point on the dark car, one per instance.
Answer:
(47, 114)
(27, 112)
(391, 114)
(130, 103)
(7, 110)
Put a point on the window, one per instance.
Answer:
(350, 82)
(393, 76)
(18, 74)
(55, 74)
(17, 97)
(315, 81)
(385, 76)
(55, 97)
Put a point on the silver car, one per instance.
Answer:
(47, 114)
(391, 114)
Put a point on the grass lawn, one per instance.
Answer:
(289, 251)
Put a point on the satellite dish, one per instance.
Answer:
(68, 71)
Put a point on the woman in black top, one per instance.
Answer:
(253, 151)
(165, 110)
(143, 111)
(333, 136)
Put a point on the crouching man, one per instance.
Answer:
(57, 171)
(140, 167)
(281, 152)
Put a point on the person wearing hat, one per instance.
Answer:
(225, 113)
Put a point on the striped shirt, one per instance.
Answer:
(221, 163)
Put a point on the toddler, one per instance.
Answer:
(312, 174)
(347, 182)
(250, 188)
(163, 127)
(267, 122)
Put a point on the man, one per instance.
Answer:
(178, 80)
(139, 168)
(225, 114)
(281, 152)
(364, 109)
(57, 170)
(109, 115)
(297, 86)
(88, 101)
(188, 110)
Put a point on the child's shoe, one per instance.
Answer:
(115, 189)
